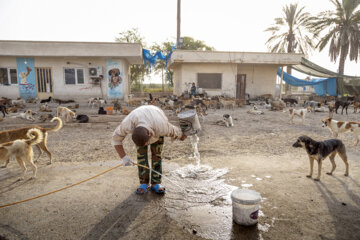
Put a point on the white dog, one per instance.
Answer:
(298, 112)
(337, 127)
(27, 115)
(65, 114)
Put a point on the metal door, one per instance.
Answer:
(44, 82)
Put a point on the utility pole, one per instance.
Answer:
(178, 23)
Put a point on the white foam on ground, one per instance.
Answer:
(246, 185)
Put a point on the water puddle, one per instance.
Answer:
(205, 207)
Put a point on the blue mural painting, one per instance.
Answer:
(26, 77)
(114, 78)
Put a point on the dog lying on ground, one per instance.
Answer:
(125, 111)
(45, 108)
(255, 111)
(337, 127)
(46, 116)
(277, 105)
(298, 112)
(75, 106)
(21, 150)
(66, 114)
(60, 101)
(20, 133)
(27, 115)
(46, 100)
(319, 151)
(81, 118)
(3, 110)
(20, 103)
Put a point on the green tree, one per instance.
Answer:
(340, 29)
(290, 33)
(137, 72)
(165, 47)
(192, 44)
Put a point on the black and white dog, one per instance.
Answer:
(319, 151)
(228, 120)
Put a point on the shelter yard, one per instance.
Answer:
(256, 153)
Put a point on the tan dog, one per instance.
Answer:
(66, 114)
(228, 103)
(20, 133)
(21, 150)
(125, 111)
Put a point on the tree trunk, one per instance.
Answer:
(340, 80)
(290, 49)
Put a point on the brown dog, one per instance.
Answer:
(319, 151)
(20, 133)
(21, 150)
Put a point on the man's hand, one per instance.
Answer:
(126, 161)
(182, 138)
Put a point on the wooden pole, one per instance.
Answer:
(162, 80)
(178, 23)
(281, 81)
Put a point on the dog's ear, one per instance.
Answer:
(110, 72)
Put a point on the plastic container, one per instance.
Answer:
(245, 204)
(189, 122)
(109, 110)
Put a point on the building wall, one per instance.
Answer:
(67, 91)
(189, 74)
(260, 79)
(11, 91)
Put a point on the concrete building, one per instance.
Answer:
(231, 73)
(66, 70)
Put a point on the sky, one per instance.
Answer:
(227, 25)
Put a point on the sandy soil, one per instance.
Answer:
(256, 153)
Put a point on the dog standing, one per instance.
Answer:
(65, 114)
(337, 127)
(319, 151)
(21, 150)
(20, 133)
(298, 112)
(3, 110)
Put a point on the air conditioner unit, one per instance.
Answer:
(95, 71)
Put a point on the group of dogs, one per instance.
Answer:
(320, 150)
(18, 143)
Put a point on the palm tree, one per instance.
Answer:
(290, 33)
(342, 31)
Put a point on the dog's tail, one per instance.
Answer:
(57, 127)
(35, 136)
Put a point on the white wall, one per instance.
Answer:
(189, 74)
(260, 79)
(11, 91)
(66, 91)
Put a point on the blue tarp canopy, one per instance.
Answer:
(322, 86)
(151, 59)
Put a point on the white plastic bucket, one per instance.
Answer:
(245, 204)
(189, 122)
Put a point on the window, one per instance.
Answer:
(13, 76)
(8, 76)
(74, 76)
(209, 80)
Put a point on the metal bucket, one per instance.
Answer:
(189, 122)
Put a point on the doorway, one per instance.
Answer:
(44, 82)
(240, 86)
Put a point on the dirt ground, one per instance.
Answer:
(256, 153)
